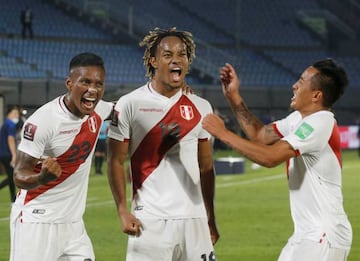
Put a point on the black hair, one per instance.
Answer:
(86, 59)
(331, 80)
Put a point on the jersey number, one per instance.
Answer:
(79, 151)
(211, 257)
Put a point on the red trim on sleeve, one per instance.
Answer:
(277, 130)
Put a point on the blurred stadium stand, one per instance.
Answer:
(269, 43)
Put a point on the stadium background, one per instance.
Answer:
(269, 42)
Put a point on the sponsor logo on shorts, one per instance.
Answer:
(139, 208)
(39, 211)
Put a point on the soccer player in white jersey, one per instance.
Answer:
(308, 140)
(53, 166)
(159, 126)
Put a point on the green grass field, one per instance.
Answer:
(252, 214)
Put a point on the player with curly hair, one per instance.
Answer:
(172, 215)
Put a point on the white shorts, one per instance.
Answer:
(312, 251)
(50, 241)
(164, 240)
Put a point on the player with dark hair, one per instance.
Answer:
(308, 140)
(159, 125)
(53, 166)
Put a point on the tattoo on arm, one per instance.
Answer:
(244, 115)
(269, 130)
(270, 136)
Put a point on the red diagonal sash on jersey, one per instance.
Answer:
(71, 159)
(179, 120)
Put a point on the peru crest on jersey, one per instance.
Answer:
(186, 112)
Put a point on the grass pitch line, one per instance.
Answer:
(251, 181)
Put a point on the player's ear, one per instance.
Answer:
(318, 95)
(68, 84)
(153, 62)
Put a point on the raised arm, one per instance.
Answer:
(265, 155)
(254, 129)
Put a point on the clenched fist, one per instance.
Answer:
(50, 170)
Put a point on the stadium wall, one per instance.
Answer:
(265, 102)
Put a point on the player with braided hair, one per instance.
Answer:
(152, 40)
(159, 125)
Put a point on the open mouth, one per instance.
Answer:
(175, 74)
(89, 103)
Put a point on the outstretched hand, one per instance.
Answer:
(230, 84)
(214, 125)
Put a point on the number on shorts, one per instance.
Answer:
(211, 257)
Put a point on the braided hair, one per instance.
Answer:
(153, 39)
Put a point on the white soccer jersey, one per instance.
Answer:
(53, 131)
(164, 135)
(315, 178)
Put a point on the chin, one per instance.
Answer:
(86, 111)
(176, 85)
(292, 104)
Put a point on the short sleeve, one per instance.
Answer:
(312, 133)
(119, 128)
(34, 135)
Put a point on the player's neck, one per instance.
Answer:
(163, 89)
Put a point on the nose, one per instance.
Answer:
(176, 59)
(92, 89)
